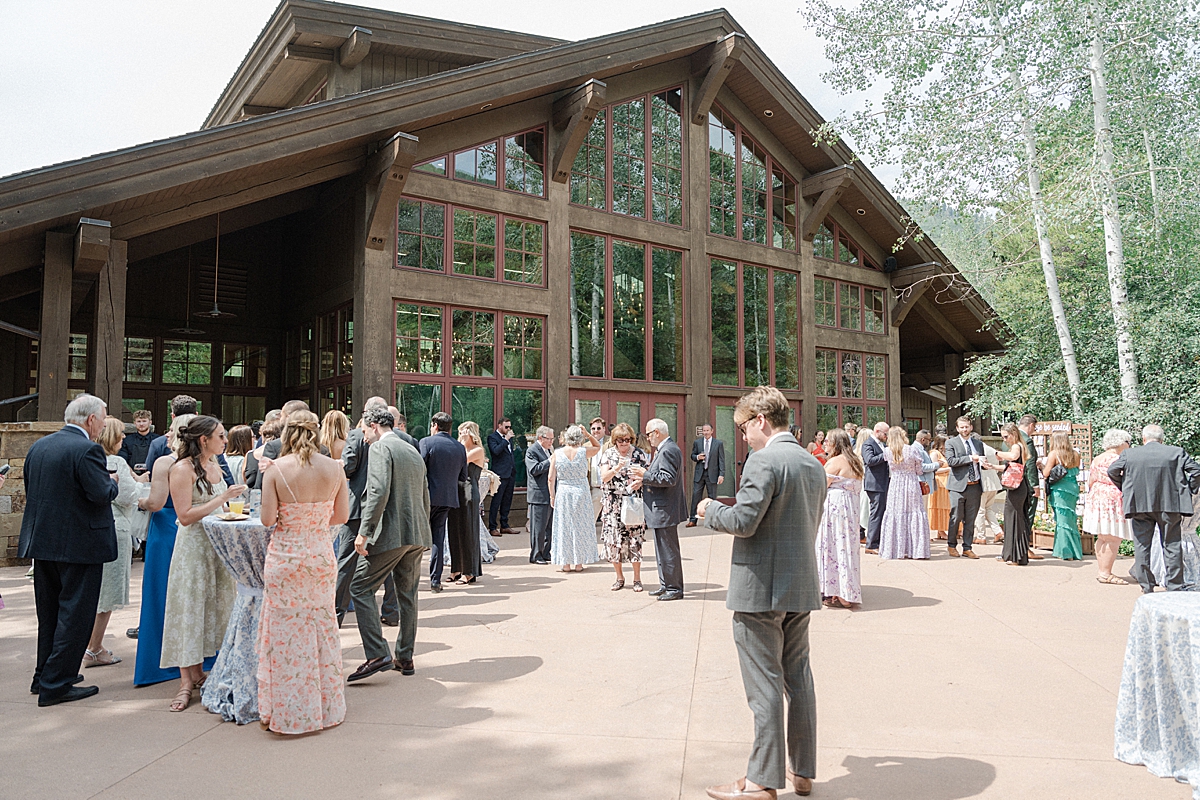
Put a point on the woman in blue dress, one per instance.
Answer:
(573, 536)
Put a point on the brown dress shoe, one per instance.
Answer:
(370, 667)
(969, 554)
(1034, 557)
(801, 784)
(508, 532)
(737, 791)
(691, 523)
(952, 552)
(495, 532)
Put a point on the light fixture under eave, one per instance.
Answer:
(862, 212)
(188, 330)
(485, 106)
(215, 312)
(768, 113)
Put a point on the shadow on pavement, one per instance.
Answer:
(883, 598)
(904, 778)
(485, 670)
(462, 620)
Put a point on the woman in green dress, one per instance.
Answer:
(1063, 496)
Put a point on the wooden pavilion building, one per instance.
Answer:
(483, 222)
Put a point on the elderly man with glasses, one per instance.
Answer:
(537, 495)
(664, 499)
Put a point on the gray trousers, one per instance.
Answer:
(403, 564)
(964, 506)
(772, 649)
(1169, 527)
(541, 516)
(666, 555)
(347, 560)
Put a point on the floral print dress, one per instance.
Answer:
(621, 543)
(838, 571)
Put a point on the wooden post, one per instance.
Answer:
(374, 310)
(55, 340)
(108, 330)
(556, 359)
(698, 309)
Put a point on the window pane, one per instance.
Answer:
(587, 305)
(77, 357)
(852, 414)
(631, 415)
(757, 326)
(139, 360)
(754, 192)
(873, 318)
(586, 411)
(587, 174)
(722, 169)
(418, 338)
(420, 234)
(474, 243)
(473, 343)
(435, 167)
(875, 374)
(478, 164)
(727, 432)
(851, 306)
(523, 251)
(827, 373)
(238, 410)
(847, 252)
(474, 404)
(524, 155)
(244, 365)
(669, 413)
(667, 315)
(876, 414)
(629, 310)
(787, 336)
(418, 402)
(724, 323)
(823, 243)
(187, 362)
(524, 407)
(826, 302)
(827, 417)
(629, 158)
(783, 209)
(852, 376)
(666, 178)
(522, 347)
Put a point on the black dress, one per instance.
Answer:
(1016, 524)
(462, 527)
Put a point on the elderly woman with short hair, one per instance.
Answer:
(1103, 513)
(622, 543)
(573, 537)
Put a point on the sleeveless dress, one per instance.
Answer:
(462, 528)
(300, 687)
(837, 542)
(573, 536)
(905, 529)
(1064, 497)
(114, 585)
(1016, 524)
(200, 594)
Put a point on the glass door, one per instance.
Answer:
(736, 449)
(634, 410)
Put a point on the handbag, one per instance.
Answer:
(633, 513)
(924, 488)
(1013, 475)
(1056, 474)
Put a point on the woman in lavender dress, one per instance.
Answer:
(837, 538)
(905, 529)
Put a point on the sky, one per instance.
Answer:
(80, 78)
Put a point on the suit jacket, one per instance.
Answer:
(136, 446)
(959, 459)
(713, 467)
(779, 505)
(663, 494)
(395, 505)
(877, 475)
(537, 470)
(502, 451)
(68, 501)
(1155, 478)
(355, 458)
(1032, 476)
(445, 467)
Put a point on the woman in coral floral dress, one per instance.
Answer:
(300, 687)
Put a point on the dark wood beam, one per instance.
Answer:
(821, 182)
(819, 211)
(573, 114)
(20, 284)
(55, 327)
(21, 254)
(909, 295)
(385, 174)
(108, 330)
(914, 379)
(257, 111)
(355, 48)
(81, 292)
(712, 65)
(92, 238)
(317, 55)
(829, 185)
(942, 326)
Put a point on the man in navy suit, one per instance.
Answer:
(500, 443)
(445, 468)
(877, 478)
(537, 495)
(664, 498)
(68, 531)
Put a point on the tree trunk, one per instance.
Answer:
(1110, 210)
(1154, 202)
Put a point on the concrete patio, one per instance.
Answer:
(957, 679)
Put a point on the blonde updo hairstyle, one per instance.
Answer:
(470, 430)
(300, 436)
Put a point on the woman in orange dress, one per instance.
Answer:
(939, 498)
(300, 688)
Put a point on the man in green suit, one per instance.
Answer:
(772, 590)
(392, 537)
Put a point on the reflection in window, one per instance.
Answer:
(524, 407)
(239, 410)
(823, 243)
(629, 158)
(873, 316)
(587, 173)
(751, 197)
(187, 362)
(767, 341)
(787, 332)
(826, 302)
(474, 243)
(418, 339)
(827, 373)
(755, 322)
(847, 252)
(876, 414)
(77, 358)
(473, 343)
(827, 417)
(524, 155)
(849, 306)
(754, 192)
(435, 167)
(783, 209)
(421, 234)
(587, 305)
(666, 153)
(477, 164)
(298, 355)
(722, 166)
(667, 314)
(523, 347)
(139, 360)
(523, 242)
(852, 375)
(472, 403)
(244, 365)
(418, 402)
(724, 323)
(875, 377)
(629, 310)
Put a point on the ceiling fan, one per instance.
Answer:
(186, 329)
(215, 312)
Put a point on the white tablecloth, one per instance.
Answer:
(1157, 721)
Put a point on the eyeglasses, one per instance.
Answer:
(623, 440)
(741, 426)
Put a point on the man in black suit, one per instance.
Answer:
(501, 446)
(445, 468)
(137, 444)
(68, 531)
(1156, 482)
(876, 480)
(537, 495)
(963, 454)
(664, 499)
(355, 457)
(708, 454)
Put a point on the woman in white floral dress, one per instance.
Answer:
(621, 542)
(837, 538)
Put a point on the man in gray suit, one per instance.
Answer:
(708, 454)
(1156, 482)
(664, 498)
(772, 590)
(965, 482)
(537, 495)
(393, 535)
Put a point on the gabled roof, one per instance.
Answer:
(288, 54)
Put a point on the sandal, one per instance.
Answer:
(637, 586)
(1112, 579)
(182, 700)
(619, 585)
(91, 659)
(466, 581)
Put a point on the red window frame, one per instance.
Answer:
(863, 308)
(838, 238)
(501, 162)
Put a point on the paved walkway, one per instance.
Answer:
(958, 679)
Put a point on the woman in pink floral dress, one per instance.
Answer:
(905, 529)
(837, 538)
(300, 688)
(1103, 514)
